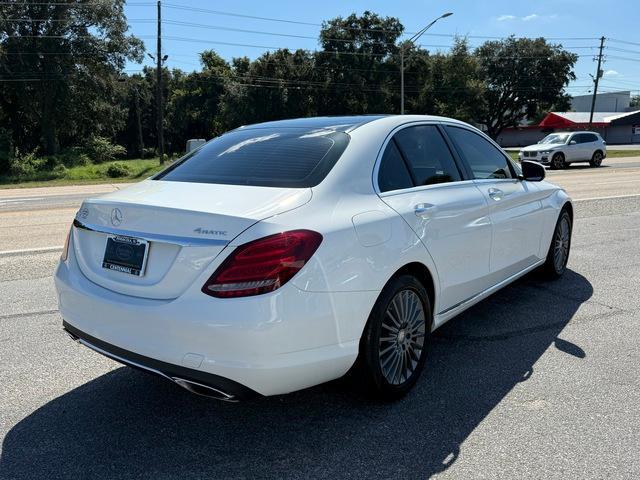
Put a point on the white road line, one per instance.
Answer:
(607, 198)
(30, 250)
(22, 200)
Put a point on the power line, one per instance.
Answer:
(624, 58)
(259, 32)
(376, 30)
(342, 40)
(73, 4)
(321, 52)
(231, 14)
(626, 42)
(62, 20)
(624, 50)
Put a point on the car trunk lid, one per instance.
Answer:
(185, 225)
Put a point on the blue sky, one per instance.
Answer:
(575, 23)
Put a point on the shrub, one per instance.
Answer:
(59, 171)
(117, 170)
(149, 153)
(101, 150)
(73, 157)
(26, 165)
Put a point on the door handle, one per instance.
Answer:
(424, 210)
(496, 194)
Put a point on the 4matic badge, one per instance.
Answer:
(206, 231)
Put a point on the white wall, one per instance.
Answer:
(605, 102)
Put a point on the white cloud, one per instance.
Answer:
(611, 73)
(527, 18)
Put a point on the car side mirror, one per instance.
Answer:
(532, 171)
(573, 142)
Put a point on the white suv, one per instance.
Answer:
(560, 149)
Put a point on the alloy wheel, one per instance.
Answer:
(597, 159)
(561, 244)
(557, 162)
(402, 337)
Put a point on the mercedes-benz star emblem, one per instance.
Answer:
(116, 217)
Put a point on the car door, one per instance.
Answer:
(419, 178)
(589, 145)
(573, 150)
(515, 205)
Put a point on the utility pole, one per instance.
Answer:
(402, 80)
(596, 80)
(160, 115)
(140, 142)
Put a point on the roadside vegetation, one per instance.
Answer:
(133, 170)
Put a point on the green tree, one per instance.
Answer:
(635, 101)
(193, 101)
(276, 85)
(521, 78)
(456, 87)
(61, 62)
(358, 64)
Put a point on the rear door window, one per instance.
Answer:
(284, 157)
(427, 155)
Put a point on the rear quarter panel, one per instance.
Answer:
(553, 198)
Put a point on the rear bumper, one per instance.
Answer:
(270, 344)
(195, 381)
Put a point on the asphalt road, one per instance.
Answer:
(541, 380)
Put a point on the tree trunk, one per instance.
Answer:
(48, 128)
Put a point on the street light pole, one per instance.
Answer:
(402, 51)
(401, 80)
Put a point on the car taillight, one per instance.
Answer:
(263, 265)
(65, 250)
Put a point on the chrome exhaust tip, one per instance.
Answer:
(204, 390)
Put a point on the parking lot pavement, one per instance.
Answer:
(541, 380)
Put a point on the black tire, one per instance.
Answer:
(554, 267)
(379, 354)
(557, 161)
(596, 159)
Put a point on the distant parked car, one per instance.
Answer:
(559, 149)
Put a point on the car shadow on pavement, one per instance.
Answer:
(128, 424)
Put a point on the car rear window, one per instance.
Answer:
(283, 157)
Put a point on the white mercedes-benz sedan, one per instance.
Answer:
(282, 255)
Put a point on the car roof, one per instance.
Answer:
(337, 123)
(347, 123)
(569, 133)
